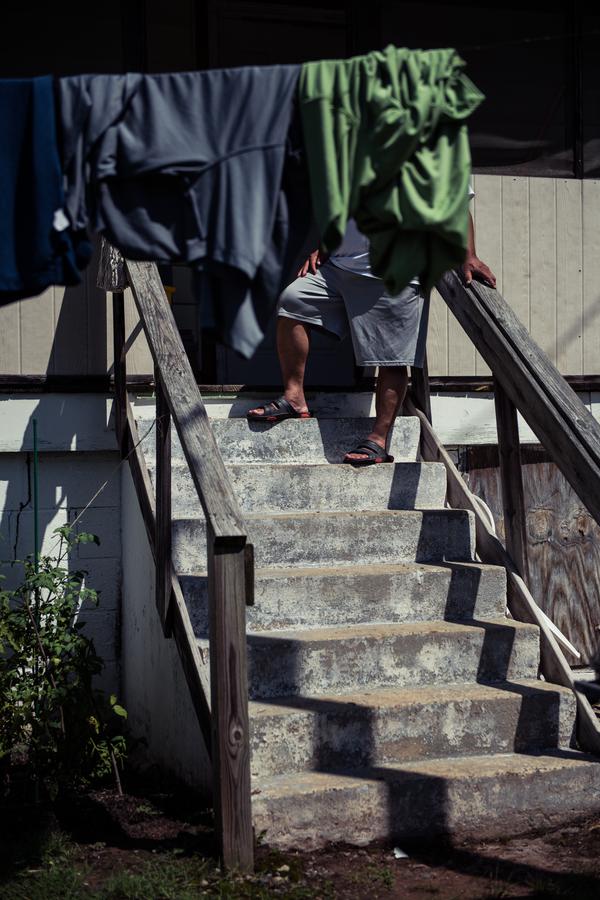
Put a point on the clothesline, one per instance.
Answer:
(238, 173)
(543, 38)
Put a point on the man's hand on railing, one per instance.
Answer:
(474, 268)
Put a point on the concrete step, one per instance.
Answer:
(364, 657)
(471, 797)
(298, 441)
(273, 487)
(378, 727)
(340, 538)
(332, 405)
(353, 595)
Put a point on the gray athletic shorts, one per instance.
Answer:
(386, 331)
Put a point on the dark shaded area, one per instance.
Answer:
(164, 823)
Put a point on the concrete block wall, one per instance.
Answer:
(77, 456)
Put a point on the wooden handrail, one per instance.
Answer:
(224, 719)
(564, 426)
(527, 381)
(183, 399)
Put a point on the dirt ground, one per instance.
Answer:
(159, 845)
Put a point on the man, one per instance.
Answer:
(341, 294)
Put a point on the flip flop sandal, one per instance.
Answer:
(276, 411)
(373, 454)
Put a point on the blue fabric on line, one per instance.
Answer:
(33, 253)
(198, 168)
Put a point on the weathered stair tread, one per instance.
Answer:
(285, 487)
(297, 440)
(483, 796)
(313, 597)
(377, 630)
(342, 660)
(428, 694)
(402, 724)
(337, 538)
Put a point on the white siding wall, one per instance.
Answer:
(541, 236)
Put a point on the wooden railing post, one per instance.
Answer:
(509, 449)
(120, 368)
(230, 568)
(227, 570)
(163, 506)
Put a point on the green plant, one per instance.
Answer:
(53, 723)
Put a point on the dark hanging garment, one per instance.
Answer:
(36, 249)
(199, 168)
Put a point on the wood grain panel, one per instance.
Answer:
(563, 543)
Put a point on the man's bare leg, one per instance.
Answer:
(391, 389)
(293, 344)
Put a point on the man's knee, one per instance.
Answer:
(397, 371)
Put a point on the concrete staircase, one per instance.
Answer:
(391, 697)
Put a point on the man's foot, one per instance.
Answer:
(277, 410)
(369, 452)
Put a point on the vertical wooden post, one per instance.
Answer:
(163, 506)
(420, 388)
(512, 479)
(227, 569)
(120, 369)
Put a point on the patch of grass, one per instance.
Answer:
(380, 875)
(159, 879)
(145, 809)
(60, 882)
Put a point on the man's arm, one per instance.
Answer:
(473, 267)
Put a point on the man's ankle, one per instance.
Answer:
(378, 439)
(297, 400)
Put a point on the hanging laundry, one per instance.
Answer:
(36, 249)
(387, 145)
(203, 168)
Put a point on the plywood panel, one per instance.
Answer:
(487, 217)
(481, 367)
(139, 358)
(70, 352)
(37, 334)
(460, 353)
(563, 544)
(515, 245)
(99, 324)
(437, 336)
(569, 278)
(542, 254)
(591, 277)
(10, 340)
